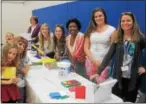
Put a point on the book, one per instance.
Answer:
(9, 72)
(70, 83)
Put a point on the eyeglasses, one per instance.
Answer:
(59, 25)
(127, 13)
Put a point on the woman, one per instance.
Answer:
(75, 42)
(46, 42)
(60, 43)
(97, 40)
(34, 29)
(127, 49)
(23, 67)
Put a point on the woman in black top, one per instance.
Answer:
(127, 48)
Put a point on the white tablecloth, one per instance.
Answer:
(41, 81)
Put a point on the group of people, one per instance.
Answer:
(100, 52)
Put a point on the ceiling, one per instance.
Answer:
(7, 1)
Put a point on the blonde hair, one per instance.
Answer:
(6, 49)
(24, 41)
(11, 35)
(41, 37)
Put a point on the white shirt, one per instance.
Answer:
(32, 29)
(100, 43)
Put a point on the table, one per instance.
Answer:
(41, 81)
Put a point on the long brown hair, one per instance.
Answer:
(92, 25)
(23, 40)
(5, 51)
(135, 30)
(62, 39)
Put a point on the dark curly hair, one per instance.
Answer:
(74, 20)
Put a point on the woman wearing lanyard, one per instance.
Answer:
(127, 49)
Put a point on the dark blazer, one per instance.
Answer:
(118, 50)
(143, 76)
(35, 33)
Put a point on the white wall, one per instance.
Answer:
(15, 16)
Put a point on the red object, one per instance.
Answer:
(80, 92)
(10, 92)
(72, 89)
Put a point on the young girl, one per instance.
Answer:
(46, 41)
(9, 90)
(59, 43)
(23, 67)
(9, 37)
(127, 49)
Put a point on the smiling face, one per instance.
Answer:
(9, 37)
(45, 31)
(21, 47)
(33, 22)
(12, 52)
(126, 23)
(58, 32)
(73, 29)
(99, 18)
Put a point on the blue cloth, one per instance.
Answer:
(55, 95)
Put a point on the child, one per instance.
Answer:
(9, 37)
(59, 43)
(23, 67)
(9, 90)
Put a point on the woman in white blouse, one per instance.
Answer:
(97, 40)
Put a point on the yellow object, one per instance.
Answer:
(39, 50)
(9, 72)
(48, 60)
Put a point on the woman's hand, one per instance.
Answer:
(10, 81)
(57, 56)
(15, 80)
(93, 76)
(96, 63)
(141, 70)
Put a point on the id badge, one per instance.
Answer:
(124, 68)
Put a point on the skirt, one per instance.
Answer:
(10, 92)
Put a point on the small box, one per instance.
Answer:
(80, 92)
(9, 72)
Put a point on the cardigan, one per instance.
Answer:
(35, 32)
(118, 50)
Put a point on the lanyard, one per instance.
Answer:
(126, 47)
